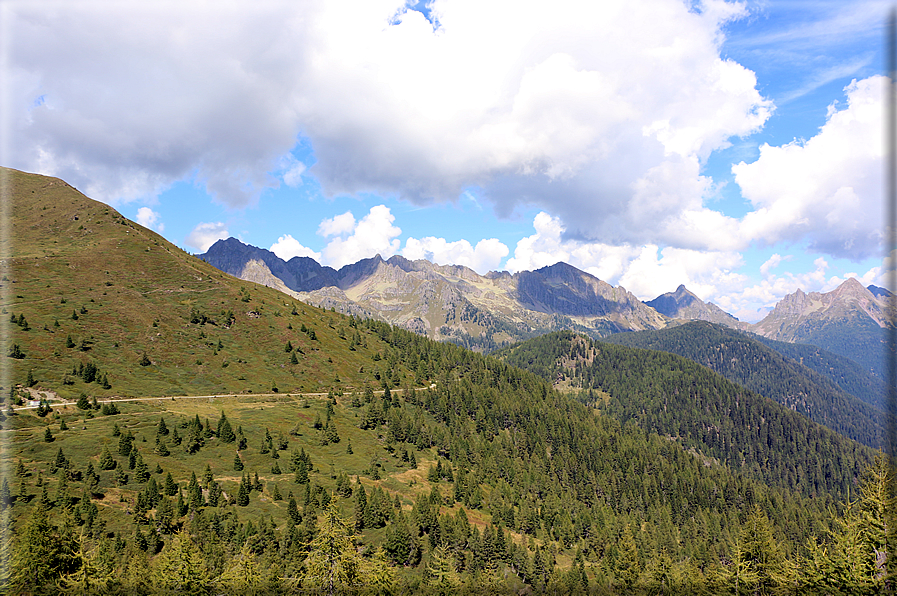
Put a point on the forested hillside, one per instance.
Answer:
(677, 398)
(844, 372)
(761, 369)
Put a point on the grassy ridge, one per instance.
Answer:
(84, 276)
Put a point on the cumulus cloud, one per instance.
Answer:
(825, 191)
(288, 247)
(773, 288)
(150, 219)
(647, 271)
(337, 225)
(578, 107)
(482, 258)
(205, 235)
(373, 234)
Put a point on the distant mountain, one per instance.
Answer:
(683, 304)
(761, 369)
(848, 321)
(484, 312)
(448, 302)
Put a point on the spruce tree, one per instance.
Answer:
(170, 488)
(628, 567)
(225, 432)
(243, 495)
(361, 506)
(293, 511)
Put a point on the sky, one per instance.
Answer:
(733, 147)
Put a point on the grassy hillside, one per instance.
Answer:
(97, 289)
(755, 366)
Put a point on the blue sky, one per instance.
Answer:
(732, 147)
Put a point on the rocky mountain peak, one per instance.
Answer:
(684, 304)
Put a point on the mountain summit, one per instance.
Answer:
(683, 304)
(847, 320)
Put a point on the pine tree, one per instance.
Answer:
(107, 462)
(181, 568)
(225, 432)
(293, 511)
(170, 488)
(333, 561)
(301, 472)
(238, 463)
(361, 506)
(48, 436)
(628, 567)
(761, 550)
(5, 495)
(330, 432)
(161, 448)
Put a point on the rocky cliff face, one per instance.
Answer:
(796, 313)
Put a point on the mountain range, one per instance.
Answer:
(485, 312)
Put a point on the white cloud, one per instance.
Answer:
(755, 301)
(292, 170)
(150, 219)
(772, 262)
(288, 247)
(205, 235)
(373, 234)
(577, 106)
(827, 190)
(646, 271)
(337, 225)
(484, 257)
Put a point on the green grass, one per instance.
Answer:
(140, 292)
(85, 439)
